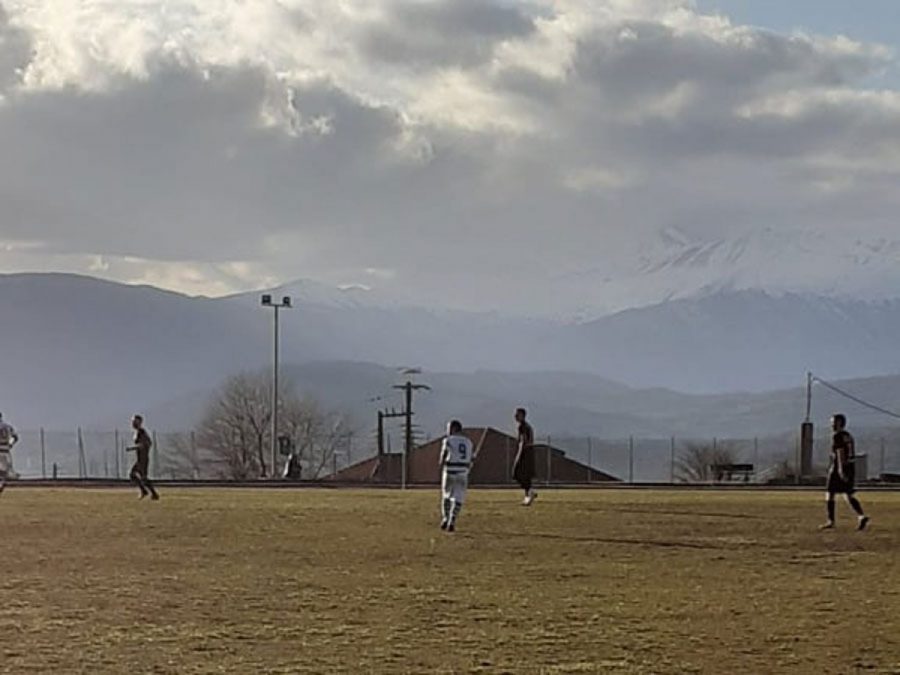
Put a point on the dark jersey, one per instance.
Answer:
(843, 441)
(142, 442)
(526, 435)
(523, 470)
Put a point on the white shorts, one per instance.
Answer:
(454, 486)
(5, 463)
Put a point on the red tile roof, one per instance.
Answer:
(494, 455)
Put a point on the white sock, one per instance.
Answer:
(446, 507)
(457, 507)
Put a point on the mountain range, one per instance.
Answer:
(81, 351)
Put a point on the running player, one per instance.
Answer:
(8, 438)
(140, 472)
(456, 460)
(842, 473)
(523, 469)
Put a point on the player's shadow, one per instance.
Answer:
(699, 514)
(582, 539)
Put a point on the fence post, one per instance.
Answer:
(549, 458)
(117, 451)
(194, 463)
(631, 459)
(756, 454)
(590, 460)
(43, 455)
(155, 470)
(82, 462)
(672, 460)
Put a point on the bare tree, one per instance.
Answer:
(235, 429)
(317, 434)
(234, 437)
(699, 461)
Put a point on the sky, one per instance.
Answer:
(469, 153)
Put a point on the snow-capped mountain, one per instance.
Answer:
(673, 264)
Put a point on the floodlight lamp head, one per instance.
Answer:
(267, 300)
(286, 301)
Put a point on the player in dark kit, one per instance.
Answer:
(842, 473)
(523, 469)
(140, 472)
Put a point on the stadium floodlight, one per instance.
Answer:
(285, 303)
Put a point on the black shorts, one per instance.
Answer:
(524, 467)
(141, 464)
(837, 485)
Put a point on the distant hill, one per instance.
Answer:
(566, 404)
(80, 351)
(77, 350)
(744, 340)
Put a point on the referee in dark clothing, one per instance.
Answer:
(523, 469)
(842, 473)
(140, 472)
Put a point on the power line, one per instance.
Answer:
(856, 399)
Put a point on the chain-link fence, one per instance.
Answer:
(761, 460)
(176, 455)
(673, 459)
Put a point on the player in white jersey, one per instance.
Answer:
(8, 438)
(456, 460)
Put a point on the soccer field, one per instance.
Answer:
(318, 581)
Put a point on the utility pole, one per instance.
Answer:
(43, 455)
(82, 460)
(408, 388)
(809, 383)
(284, 304)
(807, 440)
(380, 433)
(382, 416)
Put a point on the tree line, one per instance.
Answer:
(233, 438)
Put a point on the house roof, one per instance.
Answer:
(494, 455)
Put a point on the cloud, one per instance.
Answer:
(414, 34)
(486, 147)
(15, 53)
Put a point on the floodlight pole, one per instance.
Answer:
(284, 304)
(809, 384)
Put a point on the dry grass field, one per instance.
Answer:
(316, 581)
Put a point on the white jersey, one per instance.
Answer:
(7, 435)
(457, 455)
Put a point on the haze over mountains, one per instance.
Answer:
(80, 351)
